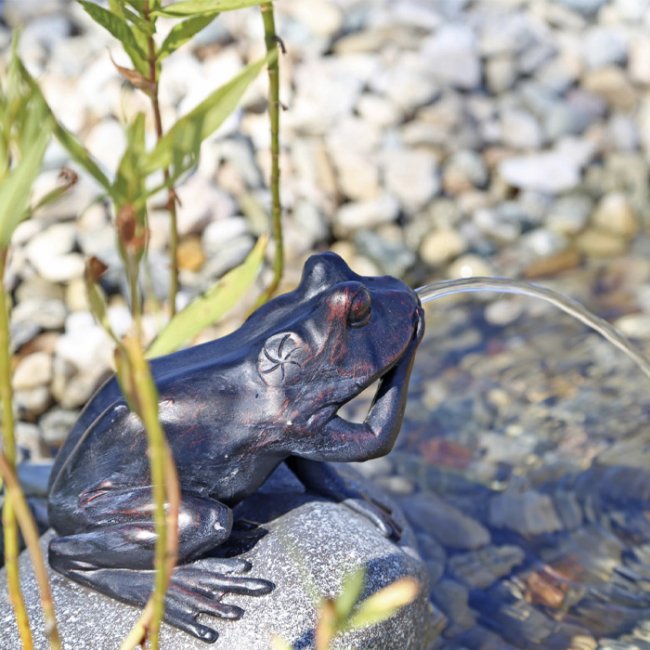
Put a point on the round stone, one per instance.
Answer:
(615, 214)
(33, 371)
(440, 246)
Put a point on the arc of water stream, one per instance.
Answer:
(436, 290)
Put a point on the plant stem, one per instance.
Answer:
(138, 632)
(144, 396)
(136, 304)
(171, 194)
(31, 535)
(9, 447)
(273, 70)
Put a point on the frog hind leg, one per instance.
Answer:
(114, 555)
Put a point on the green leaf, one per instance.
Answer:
(76, 150)
(121, 30)
(278, 643)
(183, 32)
(200, 7)
(185, 137)
(129, 182)
(350, 592)
(138, 5)
(16, 187)
(385, 603)
(211, 306)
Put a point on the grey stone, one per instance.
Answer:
(463, 171)
(18, 12)
(221, 232)
(28, 440)
(549, 171)
(31, 402)
(56, 424)
(453, 599)
(228, 257)
(604, 46)
(479, 569)
(34, 370)
(412, 176)
(317, 82)
(408, 82)
(452, 56)
(573, 115)
(585, 7)
(44, 314)
(365, 214)
(543, 242)
(569, 214)
(520, 129)
(310, 547)
(392, 257)
(446, 524)
(529, 513)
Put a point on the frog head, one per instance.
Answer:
(336, 334)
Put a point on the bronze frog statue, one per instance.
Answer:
(233, 409)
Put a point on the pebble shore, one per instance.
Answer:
(427, 140)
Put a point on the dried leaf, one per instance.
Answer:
(95, 268)
(135, 78)
(326, 625)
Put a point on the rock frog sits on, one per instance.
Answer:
(233, 409)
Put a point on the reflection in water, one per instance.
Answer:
(524, 466)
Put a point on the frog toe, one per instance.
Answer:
(224, 565)
(377, 514)
(184, 619)
(202, 578)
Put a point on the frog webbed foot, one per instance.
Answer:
(198, 588)
(323, 479)
(378, 514)
(115, 555)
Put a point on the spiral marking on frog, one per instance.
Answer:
(280, 358)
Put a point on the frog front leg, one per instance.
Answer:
(114, 555)
(342, 441)
(324, 480)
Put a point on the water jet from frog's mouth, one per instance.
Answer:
(436, 290)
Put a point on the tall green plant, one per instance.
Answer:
(175, 153)
(25, 130)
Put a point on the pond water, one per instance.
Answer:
(524, 462)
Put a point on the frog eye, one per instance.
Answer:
(360, 308)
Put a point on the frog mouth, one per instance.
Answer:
(358, 408)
